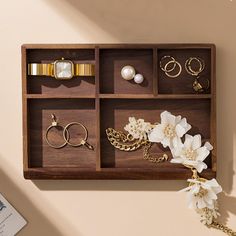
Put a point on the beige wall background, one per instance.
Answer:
(104, 208)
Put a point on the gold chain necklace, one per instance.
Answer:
(120, 141)
(223, 228)
(151, 158)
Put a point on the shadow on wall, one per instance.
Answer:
(144, 21)
(110, 185)
(227, 205)
(38, 224)
(226, 128)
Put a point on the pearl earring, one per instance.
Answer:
(128, 73)
(138, 78)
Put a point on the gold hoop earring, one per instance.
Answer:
(174, 75)
(54, 125)
(190, 70)
(83, 141)
(167, 70)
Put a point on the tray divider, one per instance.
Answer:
(213, 108)
(155, 75)
(97, 107)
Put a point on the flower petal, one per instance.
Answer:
(188, 141)
(177, 147)
(208, 146)
(197, 142)
(185, 125)
(165, 142)
(156, 135)
(201, 203)
(185, 189)
(170, 119)
(200, 166)
(180, 130)
(202, 153)
(164, 115)
(191, 201)
(212, 195)
(176, 160)
(177, 119)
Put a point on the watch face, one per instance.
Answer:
(63, 69)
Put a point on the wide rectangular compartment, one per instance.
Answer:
(119, 110)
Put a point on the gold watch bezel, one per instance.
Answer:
(63, 78)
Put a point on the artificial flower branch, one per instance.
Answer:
(201, 193)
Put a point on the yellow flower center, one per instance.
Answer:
(169, 131)
(190, 154)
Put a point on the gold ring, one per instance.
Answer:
(189, 68)
(53, 125)
(83, 140)
(165, 68)
(175, 75)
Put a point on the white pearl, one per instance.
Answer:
(138, 79)
(128, 72)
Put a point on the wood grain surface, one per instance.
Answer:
(107, 100)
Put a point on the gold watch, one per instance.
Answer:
(61, 69)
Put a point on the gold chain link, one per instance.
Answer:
(116, 137)
(223, 228)
(149, 157)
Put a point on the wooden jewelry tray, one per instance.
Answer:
(106, 100)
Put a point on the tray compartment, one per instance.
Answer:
(111, 63)
(197, 114)
(66, 110)
(51, 86)
(183, 83)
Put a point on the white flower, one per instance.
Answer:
(191, 153)
(202, 193)
(138, 128)
(169, 130)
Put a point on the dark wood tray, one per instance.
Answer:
(105, 101)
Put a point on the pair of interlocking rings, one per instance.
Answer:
(66, 135)
(171, 65)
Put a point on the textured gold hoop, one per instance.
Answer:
(164, 68)
(189, 68)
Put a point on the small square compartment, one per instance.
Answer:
(111, 63)
(120, 110)
(46, 85)
(66, 111)
(183, 84)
